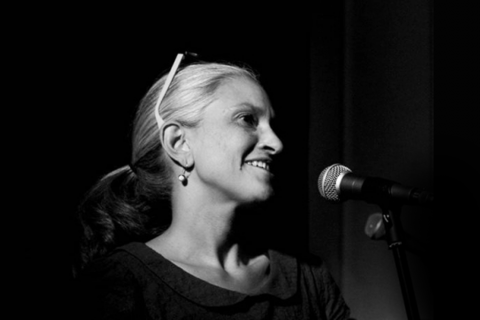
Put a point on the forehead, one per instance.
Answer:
(243, 93)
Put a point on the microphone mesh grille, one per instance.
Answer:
(328, 179)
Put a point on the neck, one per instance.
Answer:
(208, 232)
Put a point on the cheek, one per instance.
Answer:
(214, 151)
(222, 149)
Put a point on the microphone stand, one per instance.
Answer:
(393, 228)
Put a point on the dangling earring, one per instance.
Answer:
(183, 177)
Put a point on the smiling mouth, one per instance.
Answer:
(259, 164)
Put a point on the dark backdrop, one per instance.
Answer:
(351, 82)
(371, 109)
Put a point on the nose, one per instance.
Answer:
(271, 142)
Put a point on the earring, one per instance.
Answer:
(183, 177)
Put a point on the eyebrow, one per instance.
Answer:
(258, 109)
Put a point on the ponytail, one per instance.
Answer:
(114, 213)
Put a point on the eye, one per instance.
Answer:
(249, 119)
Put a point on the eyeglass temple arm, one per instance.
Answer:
(173, 70)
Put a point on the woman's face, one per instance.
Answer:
(234, 144)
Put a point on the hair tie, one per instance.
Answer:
(132, 168)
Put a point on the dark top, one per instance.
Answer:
(135, 282)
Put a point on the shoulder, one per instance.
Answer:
(307, 270)
(118, 263)
(304, 262)
(134, 265)
(317, 280)
(314, 280)
(313, 269)
(116, 270)
(112, 283)
(316, 265)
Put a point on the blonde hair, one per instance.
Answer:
(124, 205)
(193, 88)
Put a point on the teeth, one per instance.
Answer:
(259, 164)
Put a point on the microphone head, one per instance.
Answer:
(327, 181)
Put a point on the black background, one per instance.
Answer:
(77, 73)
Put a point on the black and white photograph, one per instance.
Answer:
(236, 163)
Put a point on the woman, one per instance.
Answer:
(202, 143)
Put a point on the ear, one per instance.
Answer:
(174, 142)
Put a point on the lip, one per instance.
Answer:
(266, 160)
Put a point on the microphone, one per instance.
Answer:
(337, 183)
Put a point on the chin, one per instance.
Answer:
(263, 195)
(253, 193)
